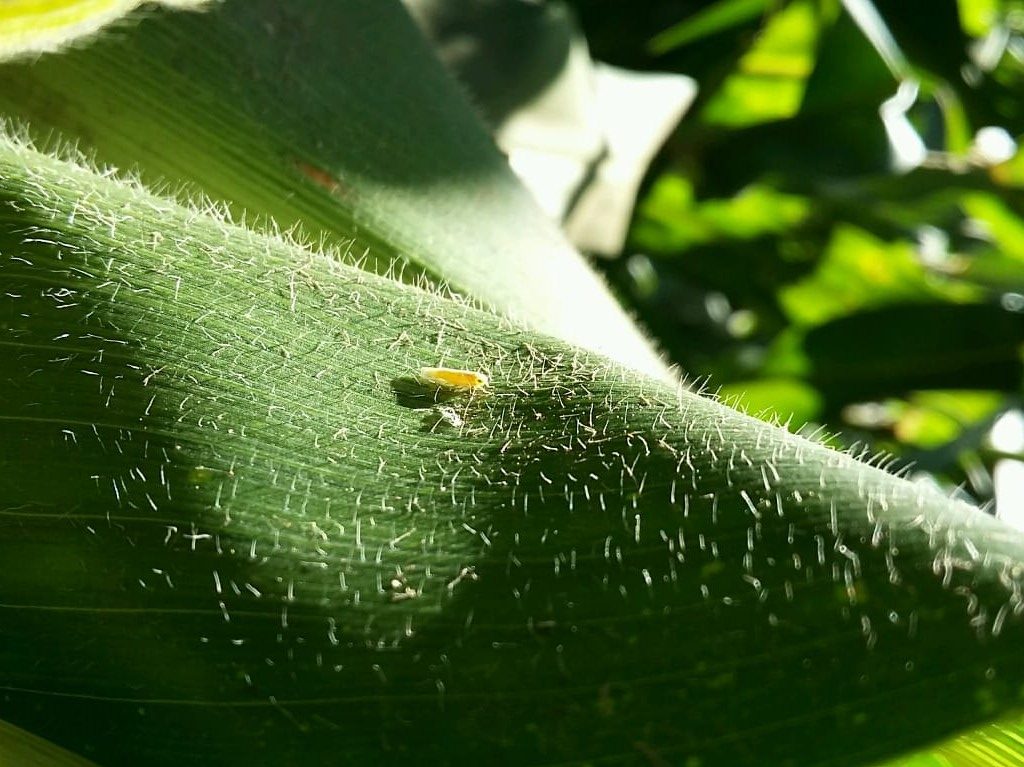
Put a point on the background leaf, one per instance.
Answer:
(303, 114)
(753, 231)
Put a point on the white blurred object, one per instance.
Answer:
(906, 147)
(552, 140)
(992, 145)
(582, 141)
(637, 112)
(583, 145)
(1007, 436)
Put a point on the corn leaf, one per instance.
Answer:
(238, 527)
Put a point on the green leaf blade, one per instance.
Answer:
(267, 534)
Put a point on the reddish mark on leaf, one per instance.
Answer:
(319, 176)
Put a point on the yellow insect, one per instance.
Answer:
(454, 379)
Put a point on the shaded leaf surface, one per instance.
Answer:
(303, 113)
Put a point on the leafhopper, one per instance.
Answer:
(454, 379)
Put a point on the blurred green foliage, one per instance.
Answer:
(784, 250)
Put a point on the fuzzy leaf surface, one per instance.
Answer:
(237, 529)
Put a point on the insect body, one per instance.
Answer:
(454, 379)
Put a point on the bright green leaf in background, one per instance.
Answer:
(1005, 229)
(932, 419)
(850, 284)
(770, 78)
(776, 399)
(858, 272)
(978, 16)
(671, 220)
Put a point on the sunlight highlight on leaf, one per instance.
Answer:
(858, 271)
(770, 80)
(30, 27)
(671, 220)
